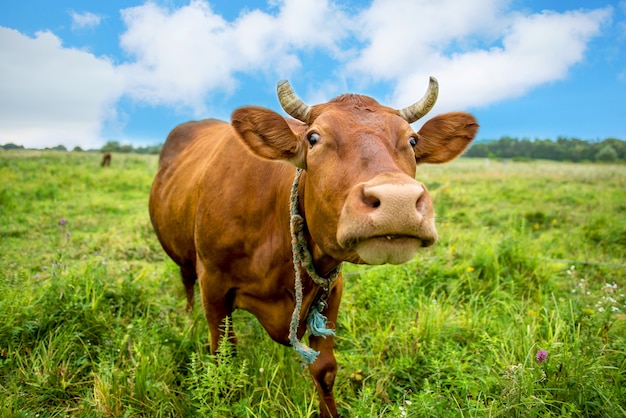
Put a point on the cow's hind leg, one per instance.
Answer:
(188, 274)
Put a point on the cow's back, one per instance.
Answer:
(181, 136)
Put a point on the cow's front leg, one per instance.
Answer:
(324, 371)
(218, 305)
(324, 368)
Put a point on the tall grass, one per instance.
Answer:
(531, 257)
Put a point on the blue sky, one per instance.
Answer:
(77, 72)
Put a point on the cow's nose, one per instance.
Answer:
(397, 200)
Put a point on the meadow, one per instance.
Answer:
(518, 311)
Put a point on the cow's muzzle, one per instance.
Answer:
(387, 220)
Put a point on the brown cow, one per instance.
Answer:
(220, 205)
(106, 159)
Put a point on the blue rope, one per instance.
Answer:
(316, 321)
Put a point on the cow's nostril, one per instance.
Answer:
(422, 203)
(371, 201)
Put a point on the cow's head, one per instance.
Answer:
(361, 201)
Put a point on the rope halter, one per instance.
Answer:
(316, 321)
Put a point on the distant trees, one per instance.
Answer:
(563, 149)
(11, 145)
(115, 146)
(607, 153)
(110, 146)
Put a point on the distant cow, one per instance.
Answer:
(106, 159)
(223, 208)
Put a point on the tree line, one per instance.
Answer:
(563, 149)
(110, 146)
(115, 146)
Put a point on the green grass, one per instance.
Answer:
(531, 257)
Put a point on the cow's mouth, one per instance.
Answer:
(389, 249)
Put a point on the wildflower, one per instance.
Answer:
(470, 269)
(402, 411)
(62, 221)
(541, 356)
(358, 375)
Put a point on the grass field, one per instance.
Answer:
(518, 311)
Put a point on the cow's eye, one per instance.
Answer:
(313, 138)
(413, 140)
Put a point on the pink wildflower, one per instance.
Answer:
(541, 356)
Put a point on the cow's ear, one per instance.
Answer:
(445, 137)
(268, 135)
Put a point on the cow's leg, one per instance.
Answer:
(188, 274)
(218, 305)
(324, 368)
(216, 316)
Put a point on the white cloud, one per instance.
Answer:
(482, 54)
(84, 20)
(537, 49)
(51, 95)
(403, 36)
(183, 55)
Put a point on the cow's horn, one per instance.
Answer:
(423, 105)
(291, 103)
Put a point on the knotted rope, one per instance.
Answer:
(316, 321)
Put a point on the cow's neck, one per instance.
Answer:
(322, 268)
